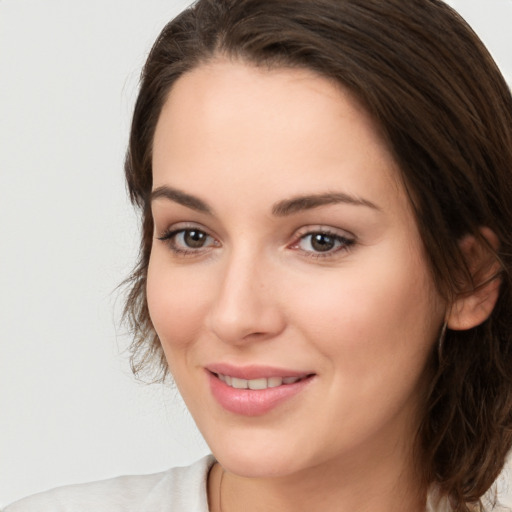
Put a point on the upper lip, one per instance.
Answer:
(251, 372)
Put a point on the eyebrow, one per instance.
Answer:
(308, 202)
(281, 209)
(182, 198)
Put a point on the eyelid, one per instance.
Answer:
(168, 236)
(348, 241)
(182, 226)
(322, 228)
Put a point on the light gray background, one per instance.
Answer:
(70, 410)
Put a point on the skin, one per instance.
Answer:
(363, 317)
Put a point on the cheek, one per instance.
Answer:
(176, 304)
(373, 319)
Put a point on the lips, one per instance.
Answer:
(262, 383)
(254, 391)
(254, 371)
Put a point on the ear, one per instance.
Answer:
(474, 305)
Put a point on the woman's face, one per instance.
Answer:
(286, 259)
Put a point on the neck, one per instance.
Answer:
(380, 485)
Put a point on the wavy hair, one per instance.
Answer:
(445, 112)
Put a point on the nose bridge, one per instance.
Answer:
(245, 303)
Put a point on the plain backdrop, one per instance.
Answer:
(70, 410)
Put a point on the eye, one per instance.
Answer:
(323, 243)
(191, 238)
(188, 240)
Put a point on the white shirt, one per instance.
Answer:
(180, 489)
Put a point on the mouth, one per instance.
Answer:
(255, 391)
(258, 384)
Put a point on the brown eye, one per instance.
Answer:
(194, 239)
(188, 241)
(322, 242)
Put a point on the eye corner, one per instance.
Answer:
(187, 240)
(329, 242)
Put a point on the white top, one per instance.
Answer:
(180, 489)
(175, 490)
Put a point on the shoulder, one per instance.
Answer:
(182, 488)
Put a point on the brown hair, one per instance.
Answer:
(446, 113)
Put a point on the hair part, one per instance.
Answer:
(445, 112)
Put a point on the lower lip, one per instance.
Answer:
(253, 402)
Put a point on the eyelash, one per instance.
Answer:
(345, 244)
(169, 237)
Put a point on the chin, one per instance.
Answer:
(256, 459)
(255, 466)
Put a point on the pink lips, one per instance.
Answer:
(254, 402)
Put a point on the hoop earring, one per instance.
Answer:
(440, 341)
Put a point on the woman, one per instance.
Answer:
(325, 190)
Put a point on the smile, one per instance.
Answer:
(255, 391)
(256, 384)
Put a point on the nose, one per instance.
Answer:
(245, 306)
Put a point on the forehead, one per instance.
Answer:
(254, 128)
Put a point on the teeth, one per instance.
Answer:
(239, 383)
(262, 383)
(258, 384)
(273, 382)
(290, 380)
